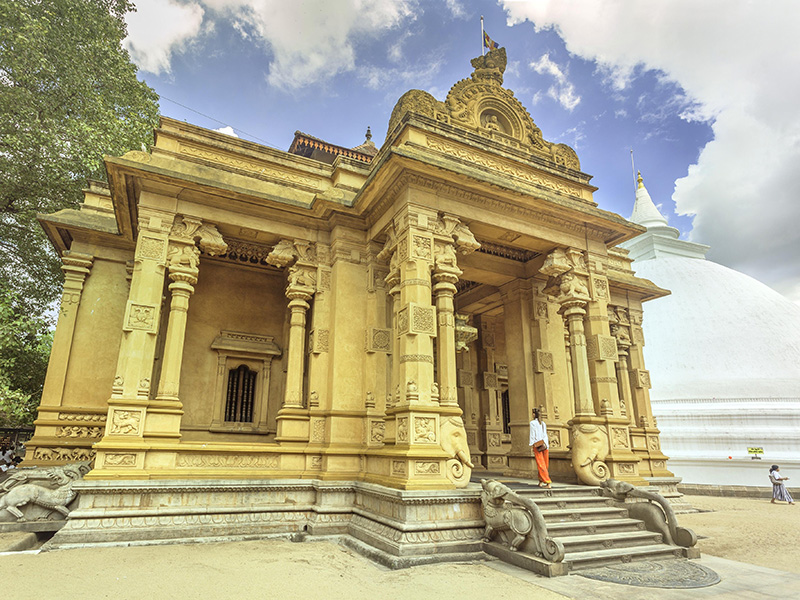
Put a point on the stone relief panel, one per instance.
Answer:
(619, 437)
(627, 468)
(402, 320)
(425, 429)
(421, 247)
(422, 319)
(653, 444)
(151, 248)
(543, 361)
(493, 440)
(599, 287)
(641, 378)
(379, 340)
(555, 438)
(141, 317)
(422, 467)
(318, 341)
(125, 422)
(317, 429)
(402, 429)
(399, 467)
(119, 460)
(377, 431)
(464, 378)
(490, 381)
(601, 347)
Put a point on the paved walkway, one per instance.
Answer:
(739, 580)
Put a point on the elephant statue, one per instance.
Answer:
(454, 443)
(656, 513)
(589, 445)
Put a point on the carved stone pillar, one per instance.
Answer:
(292, 418)
(184, 258)
(76, 267)
(445, 275)
(122, 448)
(429, 441)
(622, 335)
(517, 315)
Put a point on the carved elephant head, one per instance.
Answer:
(454, 443)
(589, 445)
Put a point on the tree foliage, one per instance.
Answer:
(25, 343)
(68, 95)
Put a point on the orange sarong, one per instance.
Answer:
(542, 461)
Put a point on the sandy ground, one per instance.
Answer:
(745, 530)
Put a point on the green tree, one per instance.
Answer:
(68, 95)
(25, 343)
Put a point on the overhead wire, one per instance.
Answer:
(250, 135)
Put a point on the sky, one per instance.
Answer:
(706, 93)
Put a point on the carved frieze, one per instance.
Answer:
(399, 467)
(224, 461)
(555, 438)
(493, 440)
(45, 454)
(79, 431)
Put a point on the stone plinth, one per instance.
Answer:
(395, 527)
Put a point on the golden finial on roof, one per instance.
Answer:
(639, 179)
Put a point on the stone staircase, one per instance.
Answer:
(593, 531)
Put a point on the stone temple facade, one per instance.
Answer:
(390, 317)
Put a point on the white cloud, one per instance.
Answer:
(227, 130)
(311, 40)
(456, 8)
(562, 91)
(738, 62)
(157, 29)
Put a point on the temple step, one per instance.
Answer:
(560, 515)
(598, 558)
(620, 540)
(561, 502)
(578, 528)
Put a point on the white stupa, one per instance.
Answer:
(724, 355)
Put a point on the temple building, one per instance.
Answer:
(390, 316)
(726, 361)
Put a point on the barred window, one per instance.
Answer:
(241, 395)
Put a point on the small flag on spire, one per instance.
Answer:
(489, 43)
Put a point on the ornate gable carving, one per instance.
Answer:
(483, 105)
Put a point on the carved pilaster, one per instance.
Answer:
(76, 267)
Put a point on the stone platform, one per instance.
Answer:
(397, 528)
